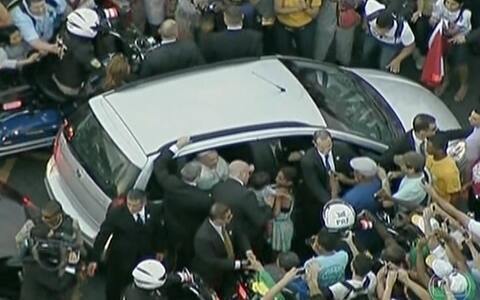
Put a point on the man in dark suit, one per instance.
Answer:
(319, 165)
(130, 233)
(219, 250)
(171, 55)
(186, 206)
(249, 217)
(424, 127)
(234, 42)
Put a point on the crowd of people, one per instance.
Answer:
(400, 227)
(193, 32)
(326, 226)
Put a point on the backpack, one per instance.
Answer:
(352, 289)
(399, 19)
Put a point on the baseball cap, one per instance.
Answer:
(364, 165)
(411, 159)
(458, 283)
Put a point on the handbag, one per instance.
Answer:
(347, 16)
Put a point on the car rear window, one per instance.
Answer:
(101, 158)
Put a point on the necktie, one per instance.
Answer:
(228, 244)
(139, 219)
(422, 148)
(327, 163)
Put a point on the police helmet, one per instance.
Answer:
(83, 22)
(338, 215)
(149, 274)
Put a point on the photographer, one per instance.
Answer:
(53, 256)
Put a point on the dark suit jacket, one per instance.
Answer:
(230, 44)
(248, 216)
(171, 57)
(186, 206)
(211, 260)
(315, 175)
(406, 143)
(131, 242)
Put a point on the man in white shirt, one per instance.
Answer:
(388, 34)
(363, 281)
(472, 145)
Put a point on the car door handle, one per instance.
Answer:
(79, 173)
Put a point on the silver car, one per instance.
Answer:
(109, 145)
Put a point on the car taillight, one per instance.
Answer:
(68, 130)
(12, 105)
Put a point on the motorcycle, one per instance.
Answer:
(31, 114)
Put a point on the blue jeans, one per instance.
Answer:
(371, 46)
(302, 38)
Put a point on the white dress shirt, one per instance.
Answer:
(418, 142)
(331, 161)
(141, 214)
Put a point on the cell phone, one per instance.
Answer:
(301, 271)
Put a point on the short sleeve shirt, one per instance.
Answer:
(332, 268)
(445, 176)
(457, 21)
(339, 291)
(5, 62)
(406, 37)
(32, 27)
(411, 190)
(300, 18)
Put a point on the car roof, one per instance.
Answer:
(209, 99)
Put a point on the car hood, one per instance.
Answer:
(407, 98)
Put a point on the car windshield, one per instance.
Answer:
(99, 155)
(343, 102)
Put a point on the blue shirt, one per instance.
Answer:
(332, 268)
(361, 196)
(43, 27)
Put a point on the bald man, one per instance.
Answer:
(172, 55)
(247, 214)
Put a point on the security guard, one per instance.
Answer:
(131, 232)
(53, 255)
(77, 58)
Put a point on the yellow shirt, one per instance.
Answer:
(445, 176)
(300, 18)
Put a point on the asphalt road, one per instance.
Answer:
(25, 171)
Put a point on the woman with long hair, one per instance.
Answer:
(117, 71)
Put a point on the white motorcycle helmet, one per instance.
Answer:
(149, 274)
(83, 22)
(338, 215)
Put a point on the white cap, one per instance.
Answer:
(442, 268)
(364, 165)
(458, 283)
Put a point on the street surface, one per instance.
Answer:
(25, 171)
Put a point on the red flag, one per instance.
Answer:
(433, 68)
